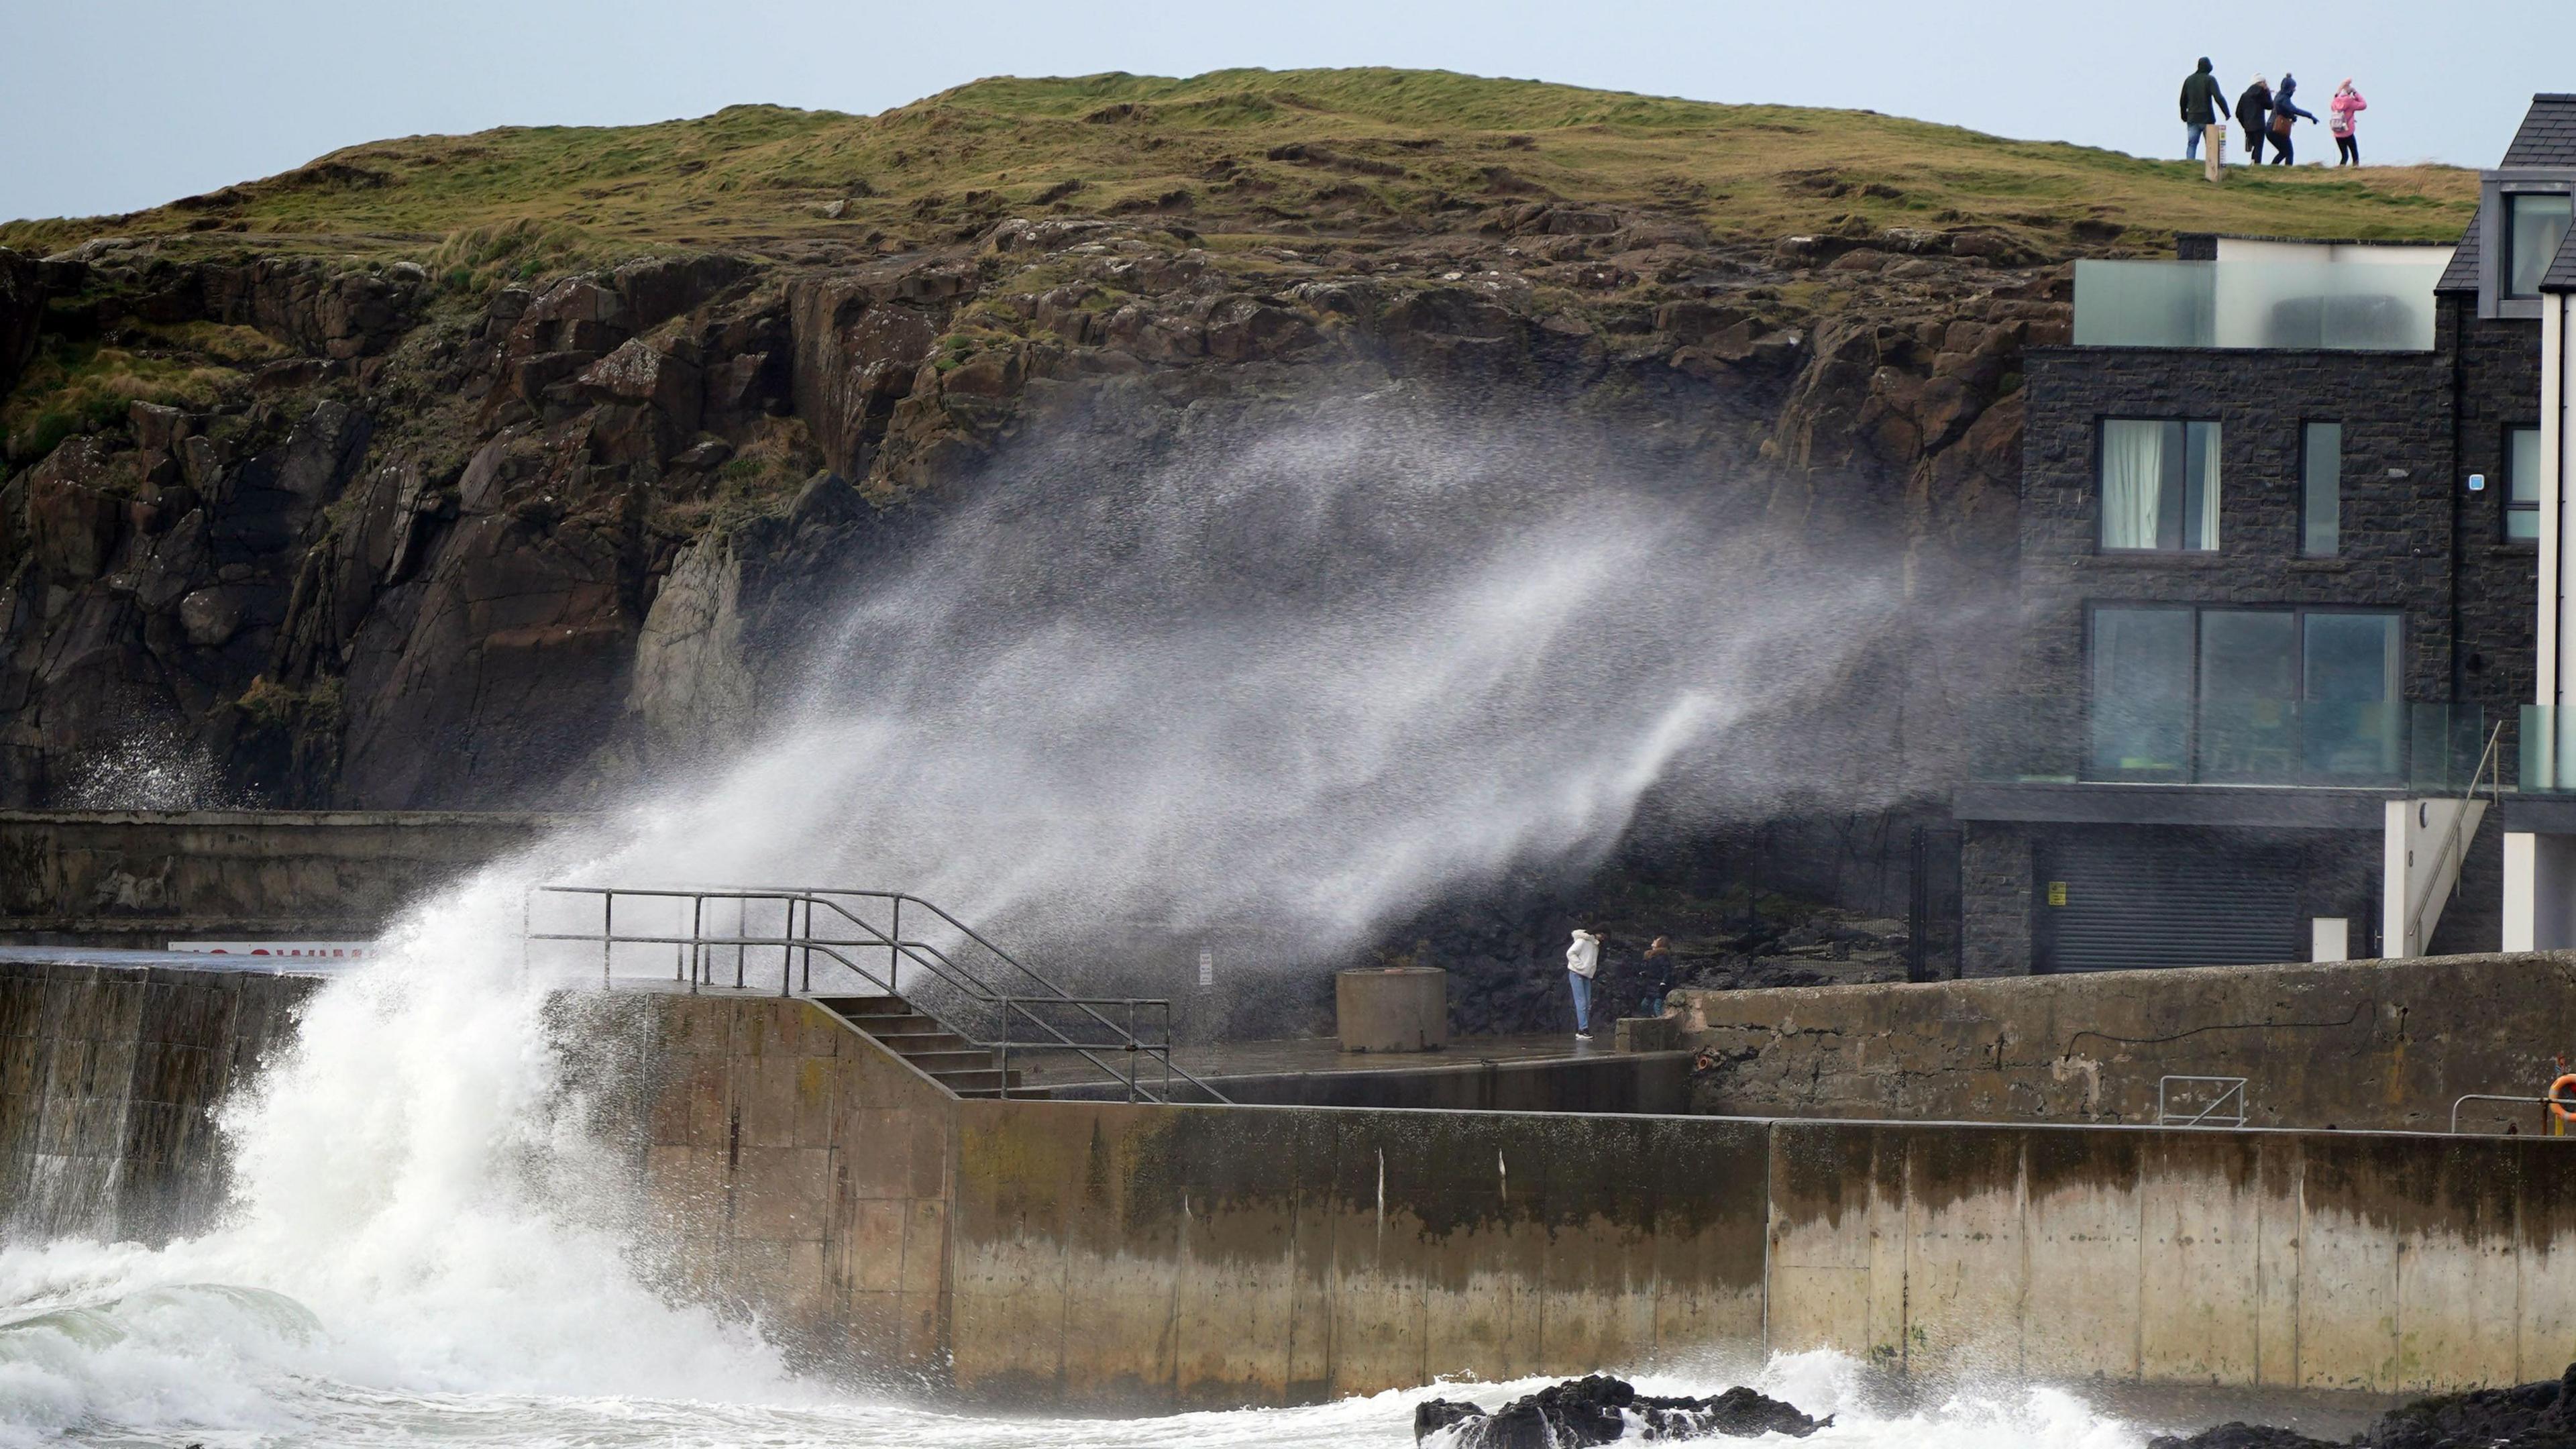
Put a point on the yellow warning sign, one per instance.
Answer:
(2057, 893)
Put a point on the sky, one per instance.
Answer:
(115, 105)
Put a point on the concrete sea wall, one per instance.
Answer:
(1114, 1255)
(794, 1170)
(1125, 1256)
(2358, 1044)
(108, 1077)
(142, 877)
(1656, 1082)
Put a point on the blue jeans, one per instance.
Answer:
(1582, 1000)
(2191, 143)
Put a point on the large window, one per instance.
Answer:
(2321, 490)
(2159, 485)
(2522, 484)
(2534, 226)
(2245, 696)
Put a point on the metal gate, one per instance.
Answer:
(2122, 902)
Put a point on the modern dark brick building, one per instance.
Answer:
(2280, 533)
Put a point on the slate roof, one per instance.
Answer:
(2462, 274)
(2547, 138)
(2561, 276)
(2548, 134)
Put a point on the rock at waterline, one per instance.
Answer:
(2538, 1415)
(1598, 1409)
(2240, 1436)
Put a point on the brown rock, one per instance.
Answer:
(211, 617)
(855, 356)
(641, 373)
(75, 507)
(157, 429)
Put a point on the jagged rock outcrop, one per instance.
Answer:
(2539, 1415)
(1600, 1409)
(427, 546)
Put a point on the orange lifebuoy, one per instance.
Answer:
(2562, 1098)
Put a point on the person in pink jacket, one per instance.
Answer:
(2340, 111)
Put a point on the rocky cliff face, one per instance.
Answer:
(398, 543)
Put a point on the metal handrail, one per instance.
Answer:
(2497, 1097)
(2235, 1088)
(826, 895)
(701, 948)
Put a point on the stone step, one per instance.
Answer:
(909, 1043)
(960, 1059)
(859, 1006)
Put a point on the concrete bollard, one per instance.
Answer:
(1400, 1009)
(1647, 1034)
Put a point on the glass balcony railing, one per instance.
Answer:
(2428, 748)
(2333, 306)
(2543, 756)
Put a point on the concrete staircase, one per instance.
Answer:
(919, 1038)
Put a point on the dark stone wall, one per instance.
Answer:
(2413, 539)
(1995, 903)
(2395, 544)
(2498, 366)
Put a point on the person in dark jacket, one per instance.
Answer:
(1654, 977)
(2254, 117)
(2204, 105)
(2285, 114)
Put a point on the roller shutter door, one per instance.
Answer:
(2132, 903)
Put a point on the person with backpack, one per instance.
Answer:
(2204, 116)
(2285, 114)
(2345, 104)
(2254, 114)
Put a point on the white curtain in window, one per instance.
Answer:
(2133, 471)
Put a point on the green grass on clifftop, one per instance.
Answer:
(1344, 152)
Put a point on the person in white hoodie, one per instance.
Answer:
(1582, 960)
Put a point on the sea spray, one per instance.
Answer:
(1293, 681)
(417, 1208)
(1302, 678)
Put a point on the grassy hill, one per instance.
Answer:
(1243, 153)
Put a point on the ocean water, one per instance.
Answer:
(206, 1364)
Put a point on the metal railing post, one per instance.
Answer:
(697, 941)
(607, 934)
